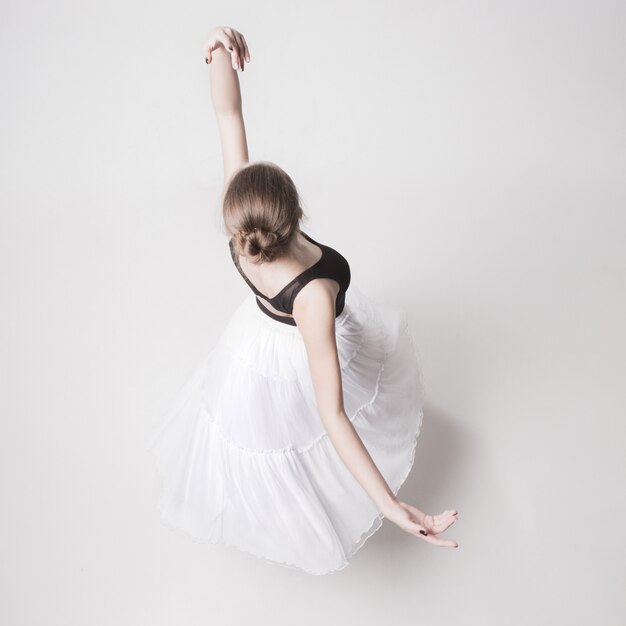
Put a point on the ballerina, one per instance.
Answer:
(293, 436)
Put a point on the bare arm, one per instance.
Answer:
(314, 312)
(226, 95)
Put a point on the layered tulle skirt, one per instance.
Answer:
(242, 452)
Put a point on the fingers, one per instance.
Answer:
(442, 543)
(246, 51)
(236, 48)
(431, 538)
(439, 523)
(233, 42)
(431, 525)
(208, 48)
(231, 47)
(240, 49)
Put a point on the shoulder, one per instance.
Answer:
(314, 307)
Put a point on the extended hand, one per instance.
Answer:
(414, 521)
(232, 41)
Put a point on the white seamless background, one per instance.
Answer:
(467, 158)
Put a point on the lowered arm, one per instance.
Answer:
(314, 312)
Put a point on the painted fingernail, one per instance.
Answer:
(207, 60)
(423, 532)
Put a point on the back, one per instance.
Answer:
(330, 265)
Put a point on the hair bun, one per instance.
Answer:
(259, 245)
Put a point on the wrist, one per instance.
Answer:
(388, 503)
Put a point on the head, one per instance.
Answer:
(261, 208)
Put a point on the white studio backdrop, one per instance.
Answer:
(466, 157)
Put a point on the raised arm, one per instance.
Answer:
(314, 312)
(226, 51)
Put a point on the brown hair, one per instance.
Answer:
(261, 208)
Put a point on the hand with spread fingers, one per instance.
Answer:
(232, 41)
(420, 524)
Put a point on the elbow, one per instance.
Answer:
(330, 418)
(228, 110)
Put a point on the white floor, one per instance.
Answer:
(467, 158)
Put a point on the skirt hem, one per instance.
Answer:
(374, 525)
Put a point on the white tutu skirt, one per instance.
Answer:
(242, 452)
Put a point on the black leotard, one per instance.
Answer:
(330, 265)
